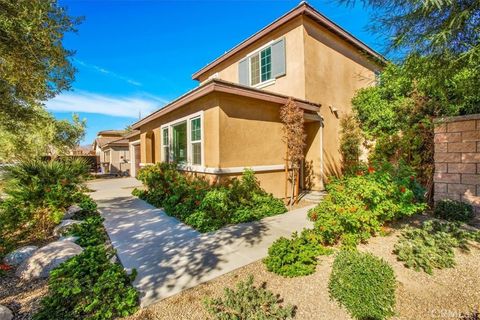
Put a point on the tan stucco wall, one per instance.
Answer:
(251, 135)
(335, 70)
(271, 181)
(293, 83)
(250, 132)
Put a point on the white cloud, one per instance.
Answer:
(127, 106)
(108, 72)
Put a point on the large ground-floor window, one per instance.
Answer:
(182, 141)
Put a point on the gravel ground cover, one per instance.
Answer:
(445, 295)
(21, 297)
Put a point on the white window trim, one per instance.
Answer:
(186, 119)
(261, 84)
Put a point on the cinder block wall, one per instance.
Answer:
(457, 159)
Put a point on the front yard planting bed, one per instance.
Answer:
(73, 274)
(418, 295)
(202, 205)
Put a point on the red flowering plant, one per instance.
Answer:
(5, 267)
(358, 205)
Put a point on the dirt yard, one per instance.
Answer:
(445, 295)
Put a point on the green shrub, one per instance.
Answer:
(88, 205)
(296, 256)
(248, 302)
(357, 206)
(363, 284)
(203, 206)
(37, 194)
(431, 246)
(453, 210)
(90, 231)
(89, 286)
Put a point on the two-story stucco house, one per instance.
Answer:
(231, 121)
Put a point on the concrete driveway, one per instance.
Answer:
(170, 256)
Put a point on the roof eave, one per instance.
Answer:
(216, 85)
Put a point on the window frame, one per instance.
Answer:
(198, 141)
(169, 126)
(258, 52)
(165, 154)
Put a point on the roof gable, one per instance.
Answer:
(302, 9)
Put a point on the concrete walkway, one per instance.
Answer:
(170, 256)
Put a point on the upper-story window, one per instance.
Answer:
(264, 65)
(261, 66)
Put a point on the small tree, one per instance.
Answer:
(294, 137)
(350, 142)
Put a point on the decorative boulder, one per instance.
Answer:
(69, 238)
(64, 226)
(5, 313)
(16, 257)
(46, 259)
(71, 211)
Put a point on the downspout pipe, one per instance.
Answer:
(322, 185)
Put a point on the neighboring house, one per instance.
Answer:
(82, 151)
(231, 120)
(112, 150)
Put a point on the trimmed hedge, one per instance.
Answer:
(296, 256)
(363, 284)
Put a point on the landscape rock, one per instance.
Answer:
(46, 259)
(71, 211)
(69, 238)
(16, 257)
(64, 226)
(5, 313)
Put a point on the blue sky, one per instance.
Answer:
(135, 56)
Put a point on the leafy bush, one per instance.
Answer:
(431, 246)
(296, 256)
(248, 302)
(363, 284)
(453, 210)
(36, 185)
(90, 231)
(37, 193)
(358, 205)
(87, 204)
(89, 286)
(201, 205)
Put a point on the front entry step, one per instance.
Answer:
(313, 196)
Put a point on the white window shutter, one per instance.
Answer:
(243, 74)
(278, 58)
